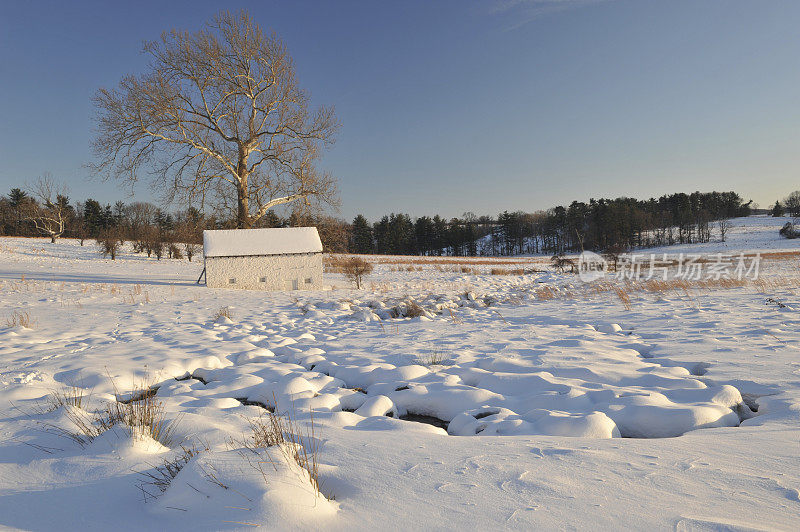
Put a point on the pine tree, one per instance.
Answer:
(362, 236)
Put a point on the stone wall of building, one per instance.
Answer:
(302, 271)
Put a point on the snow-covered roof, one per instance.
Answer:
(249, 242)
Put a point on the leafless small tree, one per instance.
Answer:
(190, 250)
(355, 269)
(218, 118)
(158, 248)
(724, 225)
(109, 243)
(613, 253)
(51, 214)
(174, 251)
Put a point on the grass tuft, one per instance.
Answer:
(162, 474)
(223, 312)
(143, 414)
(21, 318)
(68, 395)
(432, 358)
(272, 429)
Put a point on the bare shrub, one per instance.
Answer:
(355, 269)
(109, 244)
(21, 318)
(788, 231)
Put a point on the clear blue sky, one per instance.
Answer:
(456, 106)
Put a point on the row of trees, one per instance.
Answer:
(24, 213)
(45, 209)
(597, 225)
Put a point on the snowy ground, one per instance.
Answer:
(498, 407)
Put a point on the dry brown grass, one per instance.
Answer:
(295, 444)
(623, 290)
(546, 293)
(413, 309)
(21, 318)
(162, 475)
(142, 415)
(623, 296)
(68, 395)
(331, 260)
(512, 271)
(145, 417)
(223, 312)
(334, 263)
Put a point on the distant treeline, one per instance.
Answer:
(598, 225)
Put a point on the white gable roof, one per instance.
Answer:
(249, 242)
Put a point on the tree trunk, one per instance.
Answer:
(242, 218)
(52, 239)
(242, 215)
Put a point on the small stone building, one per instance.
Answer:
(263, 259)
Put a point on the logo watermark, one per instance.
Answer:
(684, 266)
(591, 266)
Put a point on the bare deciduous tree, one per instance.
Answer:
(109, 243)
(724, 225)
(792, 203)
(355, 269)
(219, 118)
(51, 214)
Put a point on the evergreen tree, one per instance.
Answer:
(93, 217)
(361, 241)
(19, 200)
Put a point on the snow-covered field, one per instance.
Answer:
(513, 401)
